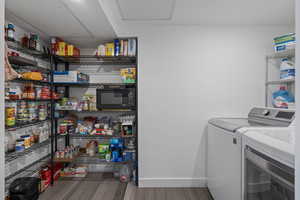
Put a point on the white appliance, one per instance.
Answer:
(224, 149)
(268, 164)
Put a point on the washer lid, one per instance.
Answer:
(233, 124)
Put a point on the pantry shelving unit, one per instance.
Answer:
(271, 65)
(106, 62)
(28, 59)
(30, 159)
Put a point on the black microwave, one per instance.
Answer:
(116, 97)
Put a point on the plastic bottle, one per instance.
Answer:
(125, 174)
(287, 69)
(282, 98)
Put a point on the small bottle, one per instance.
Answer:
(32, 41)
(25, 41)
(11, 32)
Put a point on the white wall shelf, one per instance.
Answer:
(273, 73)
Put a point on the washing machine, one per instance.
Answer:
(224, 148)
(269, 164)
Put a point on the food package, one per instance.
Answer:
(128, 75)
(70, 50)
(62, 46)
(54, 45)
(101, 50)
(36, 76)
(70, 77)
(110, 49)
(285, 42)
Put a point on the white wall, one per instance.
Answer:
(297, 146)
(2, 128)
(188, 74)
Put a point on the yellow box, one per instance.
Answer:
(70, 50)
(62, 49)
(110, 49)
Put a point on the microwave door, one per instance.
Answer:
(114, 99)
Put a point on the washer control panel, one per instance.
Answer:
(272, 116)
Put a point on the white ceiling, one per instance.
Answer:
(80, 22)
(207, 12)
(146, 10)
(85, 23)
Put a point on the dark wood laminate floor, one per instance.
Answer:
(97, 186)
(134, 193)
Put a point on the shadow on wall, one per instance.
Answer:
(201, 157)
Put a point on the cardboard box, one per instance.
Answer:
(70, 77)
(70, 50)
(109, 49)
(62, 46)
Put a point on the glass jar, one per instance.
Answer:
(11, 32)
(22, 112)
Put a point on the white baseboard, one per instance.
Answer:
(172, 182)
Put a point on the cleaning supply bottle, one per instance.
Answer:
(282, 98)
(287, 69)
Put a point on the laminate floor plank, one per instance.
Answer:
(93, 187)
(59, 191)
(105, 191)
(85, 190)
(134, 193)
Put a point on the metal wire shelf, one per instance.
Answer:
(21, 61)
(127, 85)
(43, 160)
(90, 59)
(25, 125)
(78, 136)
(17, 46)
(29, 100)
(19, 80)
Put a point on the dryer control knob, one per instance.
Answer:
(266, 112)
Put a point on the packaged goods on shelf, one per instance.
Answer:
(119, 47)
(17, 140)
(287, 69)
(104, 152)
(33, 74)
(28, 91)
(69, 152)
(128, 75)
(61, 48)
(66, 126)
(86, 103)
(46, 173)
(104, 126)
(285, 42)
(70, 77)
(282, 98)
(101, 51)
(37, 76)
(110, 49)
(75, 171)
(131, 47)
